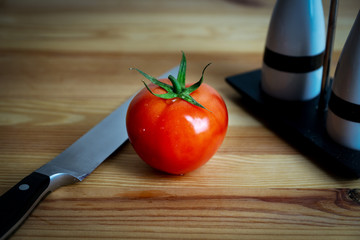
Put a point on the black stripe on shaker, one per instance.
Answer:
(292, 64)
(344, 109)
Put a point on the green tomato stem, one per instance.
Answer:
(182, 71)
(176, 85)
(178, 89)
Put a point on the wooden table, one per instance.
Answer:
(64, 67)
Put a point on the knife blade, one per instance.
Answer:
(70, 166)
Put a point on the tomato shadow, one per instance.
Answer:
(127, 163)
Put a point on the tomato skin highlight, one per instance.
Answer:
(173, 135)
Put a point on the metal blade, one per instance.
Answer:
(89, 151)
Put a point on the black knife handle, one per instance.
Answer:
(18, 202)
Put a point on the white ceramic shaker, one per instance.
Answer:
(343, 117)
(295, 44)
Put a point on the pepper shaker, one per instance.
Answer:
(343, 116)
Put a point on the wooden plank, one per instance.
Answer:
(195, 213)
(140, 26)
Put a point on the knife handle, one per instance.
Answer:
(18, 202)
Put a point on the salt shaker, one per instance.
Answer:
(295, 44)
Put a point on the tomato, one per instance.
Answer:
(174, 135)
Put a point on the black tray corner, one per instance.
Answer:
(299, 123)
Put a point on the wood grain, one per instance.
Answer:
(147, 26)
(195, 213)
(64, 67)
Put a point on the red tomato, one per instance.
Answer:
(173, 135)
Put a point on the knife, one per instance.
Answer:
(70, 166)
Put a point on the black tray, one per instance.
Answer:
(299, 123)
